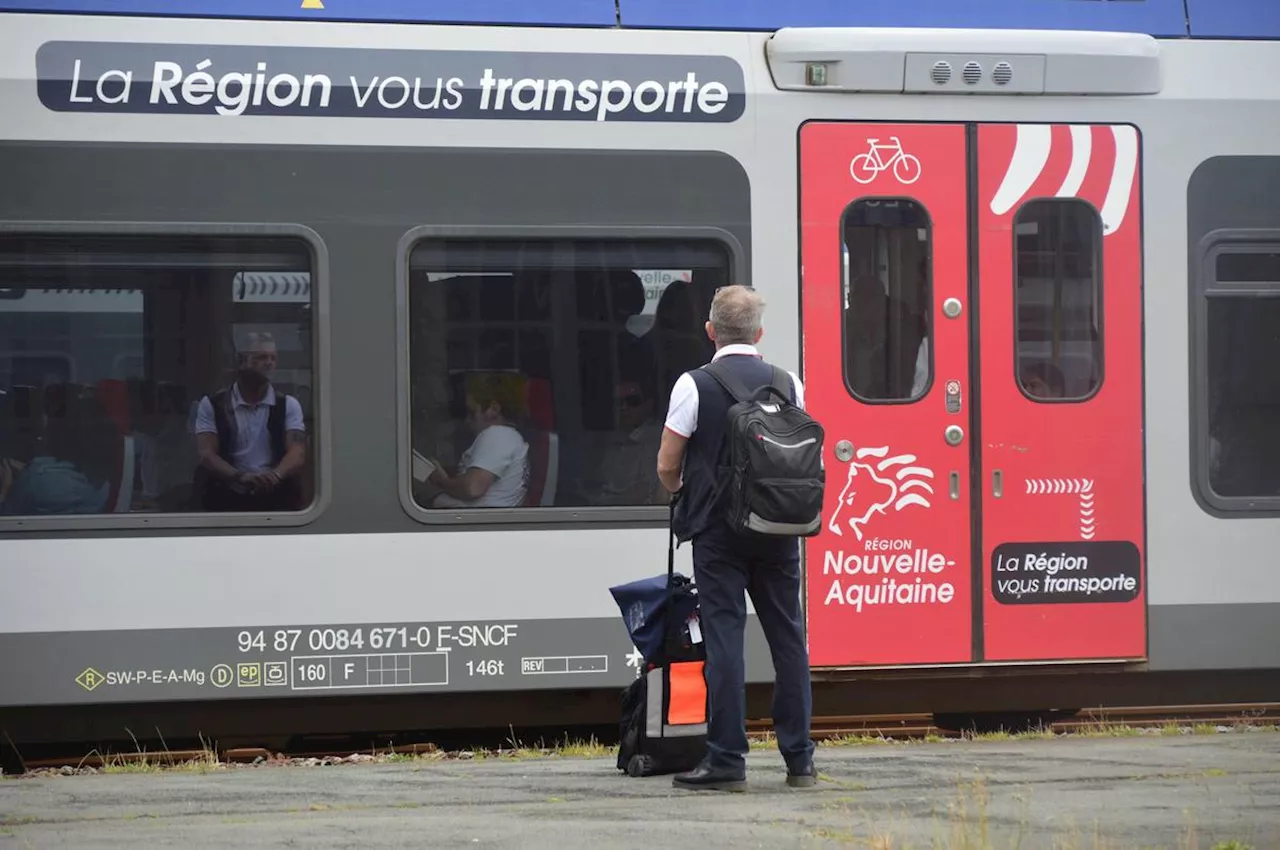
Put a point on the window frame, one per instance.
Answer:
(1204, 288)
(931, 338)
(523, 517)
(1099, 248)
(319, 446)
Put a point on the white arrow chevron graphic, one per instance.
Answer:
(1059, 486)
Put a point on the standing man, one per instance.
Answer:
(692, 459)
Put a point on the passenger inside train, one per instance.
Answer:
(68, 469)
(598, 333)
(1042, 379)
(623, 472)
(493, 472)
(251, 439)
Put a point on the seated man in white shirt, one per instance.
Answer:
(251, 440)
(494, 470)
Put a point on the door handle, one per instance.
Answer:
(997, 483)
(955, 484)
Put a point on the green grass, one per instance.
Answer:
(964, 821)
(143, 761)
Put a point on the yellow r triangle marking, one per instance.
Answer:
(312, 4)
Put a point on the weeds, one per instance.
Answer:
(968, 819)
(142, 761)
(207, 758)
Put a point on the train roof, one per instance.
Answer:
(1251, 19)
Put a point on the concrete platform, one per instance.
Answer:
(1149, 791)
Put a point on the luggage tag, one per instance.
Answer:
(695, 630)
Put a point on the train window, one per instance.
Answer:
(1242, 314)
(154, 374)
(1058, 299)
(887, 300)
(540, 369)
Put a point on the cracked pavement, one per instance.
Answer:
(1145, 791)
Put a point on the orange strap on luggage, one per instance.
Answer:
(688, 694)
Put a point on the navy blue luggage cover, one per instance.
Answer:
(643, 604)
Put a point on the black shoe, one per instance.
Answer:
(706, 778)
(805, 777)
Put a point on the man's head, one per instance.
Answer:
(634, 405)
(1044, 380)
(736, 314)
(257, 360)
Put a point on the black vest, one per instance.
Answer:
(224, 418)
(214, 494)
(706, 464)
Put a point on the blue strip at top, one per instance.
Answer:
(1235, 18)
(535, 13)
(1161, 18)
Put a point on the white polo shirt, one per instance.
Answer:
(501, 451)
(251, 445)
(682, 414)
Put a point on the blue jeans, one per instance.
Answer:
(723, 567)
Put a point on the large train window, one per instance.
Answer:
(1058, 299)
(1242, 344)
(539, 369)
(886, 300)
(155, 374)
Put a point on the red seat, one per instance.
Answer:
(544, 445)
(114, 396)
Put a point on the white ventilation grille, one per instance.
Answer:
(1002, 73)
(271, 287)
(941, 73)
(972, 73)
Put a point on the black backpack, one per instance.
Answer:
(776, 478)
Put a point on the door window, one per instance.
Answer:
(886, 300)
(1058, 299)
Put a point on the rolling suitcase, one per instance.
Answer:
(664, 711)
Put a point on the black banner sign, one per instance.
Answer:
(1064, 573)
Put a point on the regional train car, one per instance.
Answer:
(271, 276)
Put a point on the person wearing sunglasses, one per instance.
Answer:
(620, 471)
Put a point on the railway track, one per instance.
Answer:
(914, 726)
(880, 726)
(889, 726)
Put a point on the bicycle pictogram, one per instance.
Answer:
(865, 166)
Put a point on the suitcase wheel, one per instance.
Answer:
(639, 765)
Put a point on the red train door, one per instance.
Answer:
(971, 305)
(883, 248)
(1060, 310)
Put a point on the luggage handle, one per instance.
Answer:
(672, 631)
(671, 545)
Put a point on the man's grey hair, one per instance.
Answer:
(736, 313)
(253, 341)
(256, 341)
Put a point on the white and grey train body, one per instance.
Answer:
(399, 203)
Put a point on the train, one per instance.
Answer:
(1025, 257)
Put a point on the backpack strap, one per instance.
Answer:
(782, 383)
(732, 385)
(224, 421)
(276, 418)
